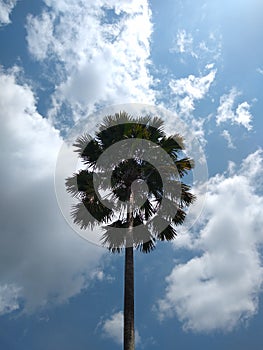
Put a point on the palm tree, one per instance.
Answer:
(134, 193)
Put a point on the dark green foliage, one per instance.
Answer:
(164, 185)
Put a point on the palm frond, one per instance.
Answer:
(112, 120)
(143, 239)
(148, 210)
(184, 165)
(72, 186)
(88, 149)
(179, 217)
(147, 247)
(90, 212)
(81, 217)
(157, 123)
(187, 197)
(168, 234)
(114, 236)
(172, 145)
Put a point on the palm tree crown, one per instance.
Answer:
(138, 188)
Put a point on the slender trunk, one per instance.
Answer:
(129, 300)
(128, 335)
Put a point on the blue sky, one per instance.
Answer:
(61, 61)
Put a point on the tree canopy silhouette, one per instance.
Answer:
(132, 187)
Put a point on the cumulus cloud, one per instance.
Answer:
(42, 261)
(191, 89)
(219, 288)
(102, 52)
(113, 328)
(236, 115)
(6, 7)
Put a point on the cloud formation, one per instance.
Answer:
(183, 43)
(42, 261)
(6, 7)
(191, 89)
(239, 114)
(219, 288)
(9, 298)
(102, 52)
(188, 43)
(228, 138)
(113, 329)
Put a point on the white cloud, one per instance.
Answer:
(194, 87)
(252, 168)
(186, 43)
(101, 58)
(183, 43)
(197, 127)
(219, 288)
(43, 26)
(210, 66)
(210, 48)
(191, 89)
(6, 7)
(42, 260)
(243, 115)
(9, 295)
(101, 276)
(93, 74)
(228, 138)
(186, 92)
(227, 112)
(113, 328)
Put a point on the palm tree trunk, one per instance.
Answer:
(128, 335)
(129, 300)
